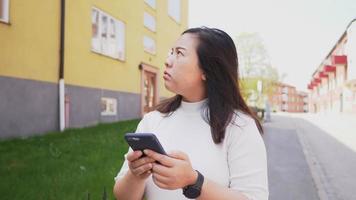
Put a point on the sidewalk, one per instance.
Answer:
(288, 171)
(329, 146)
(340, 126)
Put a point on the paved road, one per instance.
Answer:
(312, 154)
(288, 171)
(331, 144)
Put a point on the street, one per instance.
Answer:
(311, 156)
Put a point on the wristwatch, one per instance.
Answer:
(193, 191)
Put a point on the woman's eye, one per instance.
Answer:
(170, 53)
(179, 53)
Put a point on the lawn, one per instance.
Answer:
(75, 164)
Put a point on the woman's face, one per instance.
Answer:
(182, 74)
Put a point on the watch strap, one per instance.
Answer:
(193, 191)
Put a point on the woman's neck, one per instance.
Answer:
(194, 93)
(191, 100)
(194, 96)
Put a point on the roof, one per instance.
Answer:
(340, 39)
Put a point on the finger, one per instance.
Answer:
(142, 169)
(178, 155)
(163, 159)
(161, 169)
(160, 178)
(146, 174)
(160, 184)
(133, 155)
(141, 161)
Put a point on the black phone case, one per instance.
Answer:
(141, 141)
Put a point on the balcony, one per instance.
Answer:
(329, 69)
(323, 75)
(339, 60)
(316, 81)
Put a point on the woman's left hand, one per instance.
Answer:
(173, 171)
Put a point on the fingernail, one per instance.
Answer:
(145, 151)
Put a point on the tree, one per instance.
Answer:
(254, 66)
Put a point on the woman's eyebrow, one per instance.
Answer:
(177, 48)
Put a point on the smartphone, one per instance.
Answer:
(141, 141)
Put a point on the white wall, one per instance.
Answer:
(351, 51)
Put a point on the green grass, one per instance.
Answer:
(66, 165)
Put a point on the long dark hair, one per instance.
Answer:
(218, 60)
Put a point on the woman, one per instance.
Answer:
(214, 142)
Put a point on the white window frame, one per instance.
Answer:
(149, 21)
(110, 106)
(5, 6)
(112, 42)
(151, 3)
(174, 9)
(149, 45)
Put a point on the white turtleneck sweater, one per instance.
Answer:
(238, 163)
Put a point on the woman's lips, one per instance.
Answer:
(166, 75)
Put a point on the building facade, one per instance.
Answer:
(332, 88)
(78, 63)
(285, 98)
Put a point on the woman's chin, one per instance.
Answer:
(169, 87)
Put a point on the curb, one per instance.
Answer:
(322, 184)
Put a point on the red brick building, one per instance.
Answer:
(286, 98)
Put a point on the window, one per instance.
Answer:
(108, 35)
(285, 90)
(149, 21)
(4, 11)
(174, 9)
(284, 97)
(149, 45)
(151, 3)
(108, 106)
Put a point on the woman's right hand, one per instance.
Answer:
(139, 166)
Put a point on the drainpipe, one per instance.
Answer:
(61, 69)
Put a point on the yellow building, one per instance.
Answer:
(77, 63)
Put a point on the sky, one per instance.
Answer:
(298, 34)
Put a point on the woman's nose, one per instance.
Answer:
(168, 62)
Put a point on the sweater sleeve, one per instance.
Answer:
(247, 159)
(141, 127)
